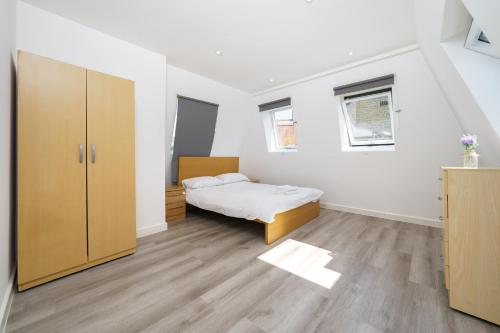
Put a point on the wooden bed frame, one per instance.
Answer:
(283, 224)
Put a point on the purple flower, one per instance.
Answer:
(469, 141)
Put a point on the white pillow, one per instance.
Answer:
(228, 178)
(199, 182)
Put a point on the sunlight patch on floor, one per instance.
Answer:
(304, 260)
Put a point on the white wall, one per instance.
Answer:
(234, 109)
(7, 104)
(430, 18)
(481, 74)
(55, 37)
(402, 182)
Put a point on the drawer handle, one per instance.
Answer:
(440, 198)
(440, 179)
(440, 218)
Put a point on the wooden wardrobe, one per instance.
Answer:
(75, 169)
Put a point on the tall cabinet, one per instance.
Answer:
(75, 169)
(471, 241)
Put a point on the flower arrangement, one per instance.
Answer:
(471, 158)
(469, 141)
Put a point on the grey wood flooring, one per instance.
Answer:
(203, 275)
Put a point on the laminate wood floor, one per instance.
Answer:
(204, 275)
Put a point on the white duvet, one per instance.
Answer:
(251, 200)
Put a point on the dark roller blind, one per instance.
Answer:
(275, 104)
(364, 85)
(194, 130)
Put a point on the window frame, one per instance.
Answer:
(347, 121)
(173, 132)
(474, 43)
(277, 146)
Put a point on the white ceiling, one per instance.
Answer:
(259, 39)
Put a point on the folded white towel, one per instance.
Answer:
(286, 189)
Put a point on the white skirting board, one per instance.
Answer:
(8, 296)
(153, 229)
(384, 215)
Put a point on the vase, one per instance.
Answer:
(471, 159)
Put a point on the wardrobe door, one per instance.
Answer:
(51, 179)
(111, 165)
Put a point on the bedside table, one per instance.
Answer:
(175, 203)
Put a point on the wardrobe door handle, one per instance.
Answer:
(92, 153)
(81, 153)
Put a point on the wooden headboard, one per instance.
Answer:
(190, 167)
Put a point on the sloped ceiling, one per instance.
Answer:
(434, 23)
(283, 40)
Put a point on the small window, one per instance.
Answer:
(482, 38)
(478, 41)
(283, 126)
(369, 118)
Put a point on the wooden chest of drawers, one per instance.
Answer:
(175, 203)
(471, 240)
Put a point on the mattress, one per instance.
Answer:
(251, 200)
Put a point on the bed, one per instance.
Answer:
(241, 199)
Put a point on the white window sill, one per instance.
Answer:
(284, 151)
(369, 148)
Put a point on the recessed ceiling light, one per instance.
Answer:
(271, 80)
(350, 53)
(218, 52)
(309, 1)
